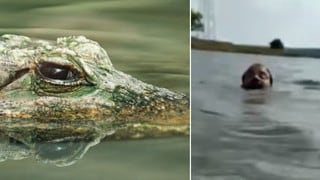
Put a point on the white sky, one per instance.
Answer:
(295, 22)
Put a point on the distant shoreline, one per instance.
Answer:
(213, 45)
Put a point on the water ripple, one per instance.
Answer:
(212, 112)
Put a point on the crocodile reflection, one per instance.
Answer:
(60, 98)
(60, 153)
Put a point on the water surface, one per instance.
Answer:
(254, 135)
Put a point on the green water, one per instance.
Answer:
(117, 160)
(148, 39)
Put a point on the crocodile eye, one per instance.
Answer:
(57, 72)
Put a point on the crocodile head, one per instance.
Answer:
(65, 92)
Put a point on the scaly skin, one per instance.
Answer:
(88, 100)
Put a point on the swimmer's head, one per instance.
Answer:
(257, 76)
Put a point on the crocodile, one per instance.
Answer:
(59, 98)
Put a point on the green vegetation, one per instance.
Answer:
(276, 44)
(213, 45)
(196, 24)
(229, 47)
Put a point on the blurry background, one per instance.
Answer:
(148, 39)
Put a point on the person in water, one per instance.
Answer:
(257, 76)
